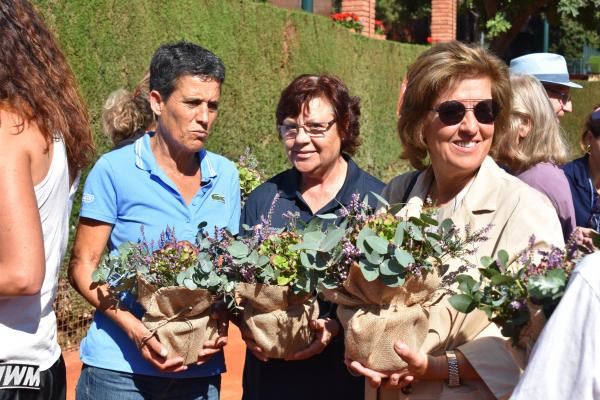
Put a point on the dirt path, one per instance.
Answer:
(231, 383)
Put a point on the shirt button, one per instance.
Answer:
(187, 219)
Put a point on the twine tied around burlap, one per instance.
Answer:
(277, 318)
(374, 316)
(178, 317)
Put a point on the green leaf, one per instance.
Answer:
(381, 200)
(315, 237)
(327, 216)
(462, 303)
(503, 258)
(428, 220)
(488, 272)
(446, 225)
(403, 257)
(414, 231)
(238, 249)
(188, 283)
(97, 277)
(466, 283)
(392, 281)
(332, 239)
(378, 244)
(501, 279)
(399, 235)
(596, 239)
(360, 239)
(486, 261)
(395, 208)
(369, 271)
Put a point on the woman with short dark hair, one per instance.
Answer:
(318, 123)
(165, 178)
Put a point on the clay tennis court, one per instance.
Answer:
(231, 384)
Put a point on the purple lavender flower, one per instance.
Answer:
(516, 305)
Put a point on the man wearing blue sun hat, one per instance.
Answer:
(551, 70)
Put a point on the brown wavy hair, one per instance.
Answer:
(436, 70)
(37, 83)
(346, 108)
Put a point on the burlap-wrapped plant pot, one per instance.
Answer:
(179, 317)
(375, 316)
(277, 318)
(531, 331)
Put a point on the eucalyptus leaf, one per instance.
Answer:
(462, 303)
(378, 244)
(332, 239)
(403, 257)
(390, 267)
(503, 258)
(369, 271)
(381, 200)
(399, 235)
(329, 216)
(392, 281)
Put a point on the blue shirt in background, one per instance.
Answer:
(585, 197)
(323, 376)
(127, 188)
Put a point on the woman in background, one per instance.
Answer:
(128, 116)
(583, 175)
(533, 147)
(46, 140)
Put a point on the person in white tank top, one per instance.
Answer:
(45, 141)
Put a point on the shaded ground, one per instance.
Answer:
(231, 384)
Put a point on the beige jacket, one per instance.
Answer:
(515, 212)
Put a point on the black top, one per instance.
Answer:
(323, 376)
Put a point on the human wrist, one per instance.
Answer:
(437, 368)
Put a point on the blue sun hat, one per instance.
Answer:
(547, 67)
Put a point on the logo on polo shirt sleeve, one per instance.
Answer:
(218, 197)
(87, 198)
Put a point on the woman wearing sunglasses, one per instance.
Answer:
(456, 104)
(318, 124)
(583, 175)
(533, 147)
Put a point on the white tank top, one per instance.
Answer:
(27, 323)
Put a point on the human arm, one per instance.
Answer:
(90, 242)
(22, 259)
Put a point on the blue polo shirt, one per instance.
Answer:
(323, 376)
(127, 188)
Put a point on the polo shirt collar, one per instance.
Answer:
(144, 158)
(291, 187)
(581, 173)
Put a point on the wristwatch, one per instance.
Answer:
(453, 375)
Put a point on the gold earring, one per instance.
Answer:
(588, 149)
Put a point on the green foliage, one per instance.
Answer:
(250, 175)
(506, 286)
(573, 37)
(497, 25)
(109, 45)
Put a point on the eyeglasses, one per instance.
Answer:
(312, 129)
(563, 97)
(452, 112)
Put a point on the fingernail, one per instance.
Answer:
(401, 346)
(163, 352)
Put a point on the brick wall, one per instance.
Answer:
(443, 20)
(365, 9)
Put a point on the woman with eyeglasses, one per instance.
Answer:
(456, 104)
(584, 175)
(533, 147)
(318, 123)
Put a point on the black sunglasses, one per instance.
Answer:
(452, 112)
